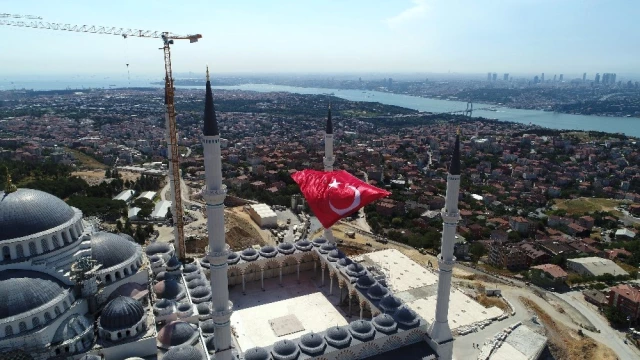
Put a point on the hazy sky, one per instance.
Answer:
(461, 36)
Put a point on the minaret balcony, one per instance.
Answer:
(446, 264)
(217, 258)
(222, 316)
(214, 196)
(450, 216)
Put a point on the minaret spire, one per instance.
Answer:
(329, 129)
(440, 331)
(214, 194)
(9, 187)
(210, 120)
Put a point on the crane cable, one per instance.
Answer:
(126, 55)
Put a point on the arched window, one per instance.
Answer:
(45, 245)
(57, 311)
(118, 276)
(47, 316)
(36, 322)
(22, 326)
(32, 248)
(108, 278)
(6, 253)
(65, 304)
(73, 232)
(65, 238)
(56, 242)
(19, 251)
(8, 330)
(119, 335)
(126, 271)
(128, 333)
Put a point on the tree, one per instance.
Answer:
(107, 174)
(119, 225)
(477, 250)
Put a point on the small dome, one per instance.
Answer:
(121, 313)
(155, 258)
(177, 333)
(163, 303)
(162, 275)
(365, 282)
(390, 303)
(377, 291)
(110, 249)
(361, 329)
(303, 245)
(406, 316)
(207, 326)
(157, 247)
(312, 343)
(319, 241)
(196, 283)
(27, 212)
(337, 336)
(249, 254)
(190, 268)
(268, 251)
(194, 276)
(285, 350)
(256, 353)
(326, 247)
(345, 261)
(211, 343)
(71, 327)
(205, 260)
(200, 291)
(204, 308)
(384, 323)
(286, 248)
(233, 258)
(182, 307)
(169, 289)
(335, 255)
(185, 352)
(355, 270)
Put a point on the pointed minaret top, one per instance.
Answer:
(329, 129)
(210, 121)
(454, 169)
(9, 187)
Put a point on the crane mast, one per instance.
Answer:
(173, 154)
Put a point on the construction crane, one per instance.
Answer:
(168, 38)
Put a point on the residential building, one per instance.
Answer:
(547, 275)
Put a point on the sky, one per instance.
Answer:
(330, 36)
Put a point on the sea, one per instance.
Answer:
(626, 125)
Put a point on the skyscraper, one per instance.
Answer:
(505, 77)
(554, 78)
(495, 76)
(214, 194)
(584, 77)
(561, 77)
(488, 76)
(440, 331)
(536, 79)
(542, 78)
(597, 80)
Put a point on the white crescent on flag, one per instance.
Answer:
(354, 204)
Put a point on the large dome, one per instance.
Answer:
(24, 290)
(121, 313)
(110, 249)
(27, 212)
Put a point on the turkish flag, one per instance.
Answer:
(335, 194)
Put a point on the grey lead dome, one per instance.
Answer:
(121, 313)
(256, 353)
(185, 352)
(24, 290)
(110, 249)
(27, 212)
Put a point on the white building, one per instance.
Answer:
(161, 210)
(595, 266)
(125, 195)
(263, 215)
(147, 195)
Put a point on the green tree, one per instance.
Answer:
(477, 251)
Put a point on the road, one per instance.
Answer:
(611, 337)
(166, 233)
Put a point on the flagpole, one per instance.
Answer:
(328, 161)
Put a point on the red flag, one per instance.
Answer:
(335, 194)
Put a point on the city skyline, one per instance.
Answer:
(419, 36)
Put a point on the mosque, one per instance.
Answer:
(70, 291)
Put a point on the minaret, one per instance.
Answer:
(439, 331)
(214, 194)
(328, 161)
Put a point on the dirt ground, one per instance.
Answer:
(565, 343)
(95, 177)
(240, 235)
